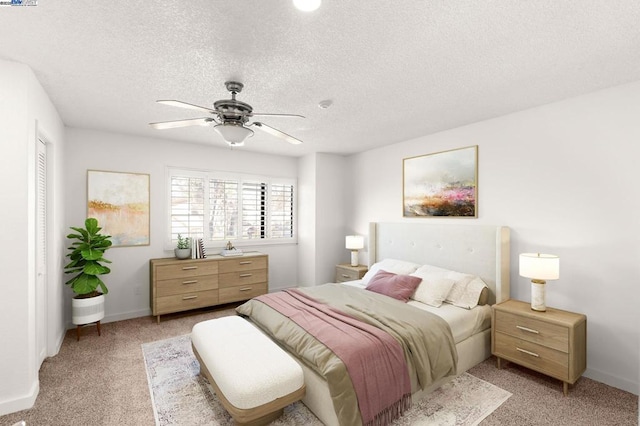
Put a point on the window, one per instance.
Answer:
(220, 207)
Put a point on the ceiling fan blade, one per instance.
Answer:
(278, 133)
(276, 115)
(187, 105)
(203, 121)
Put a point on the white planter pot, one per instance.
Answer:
(88, 310)
(182, 253)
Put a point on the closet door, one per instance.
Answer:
(41, 251)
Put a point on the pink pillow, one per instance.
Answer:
(399, 287)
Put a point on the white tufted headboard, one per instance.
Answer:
(480, 250)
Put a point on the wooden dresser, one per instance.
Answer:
(552, 342)
(180, 285)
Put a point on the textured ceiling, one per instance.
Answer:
(395, 70)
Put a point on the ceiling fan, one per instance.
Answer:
(230, 117)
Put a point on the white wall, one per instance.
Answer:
(321, 217)
(26, 113)
(307, 213)
(129, 280)
(563, 177)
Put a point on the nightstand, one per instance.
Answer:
(553, 342)
(346, 272)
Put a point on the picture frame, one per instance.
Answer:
(442, 184)
(120, 203)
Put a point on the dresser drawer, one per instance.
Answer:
(536, 331)
(187, 284)
(186, 268)
(243, 264)
(531, 355)
(185, 301)
(235, 279)
(245, 292)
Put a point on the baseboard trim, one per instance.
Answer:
(616, 382)
(23, 402)
(119, 317)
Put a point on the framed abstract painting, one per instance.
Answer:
(120, 202)
(443, 184)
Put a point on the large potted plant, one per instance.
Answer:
(87, 255)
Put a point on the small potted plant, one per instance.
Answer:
(86, 256)
(182, 250)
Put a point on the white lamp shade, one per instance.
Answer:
(539, 266)
(354, 242)
(233, 134)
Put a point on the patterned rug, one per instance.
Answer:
(180, 396)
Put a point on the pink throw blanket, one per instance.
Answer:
(373, 358)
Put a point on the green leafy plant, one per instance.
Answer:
(183, 243)
(86, 256)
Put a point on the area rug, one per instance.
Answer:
(180, 396)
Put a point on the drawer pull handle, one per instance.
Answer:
(345, 276)
(245, 275)
(246, 262)
(186, 268)
(189, 297)
(527, 352)
(529, 330)
(245, 289)
(190, 282)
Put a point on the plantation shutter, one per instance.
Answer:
(254, 201)
(281, 208)
(187, 206)
(223, 204)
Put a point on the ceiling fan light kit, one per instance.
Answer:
(234, 134)
(307, 5)
(230, 118)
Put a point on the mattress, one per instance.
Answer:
(463, 322)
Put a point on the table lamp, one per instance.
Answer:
(539, 267)
(354, 243)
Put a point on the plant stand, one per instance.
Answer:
(97, 323)
(87, 311)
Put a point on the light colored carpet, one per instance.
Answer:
(181, 396)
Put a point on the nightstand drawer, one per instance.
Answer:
(540, 358)
(186, 284)
(544, 333)
(346, 275)
(346, 272)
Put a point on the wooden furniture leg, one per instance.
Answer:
(77, 333)
(98, 325)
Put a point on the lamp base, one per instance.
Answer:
(354, 257)
(538, 295)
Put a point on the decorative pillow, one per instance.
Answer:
(460, 280)
(470, 296)
(399, 287)
(432, 292)
(390, 265)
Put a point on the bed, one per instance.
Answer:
(481, 251)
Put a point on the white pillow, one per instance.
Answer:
(456, 295)
(400, 267)
(432, 291)
(469, 297)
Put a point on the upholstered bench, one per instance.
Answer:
(253, 377)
